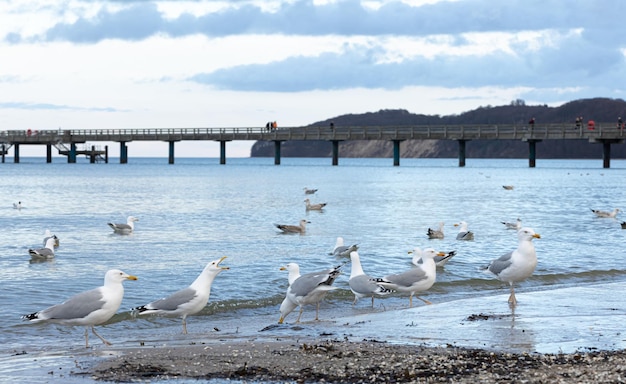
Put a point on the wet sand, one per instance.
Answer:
(538, 342)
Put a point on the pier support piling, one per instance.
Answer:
(462, 153)
(71, 156)
(222, 152)
(48, 153)
(277, 144)
(396, 153)
(335, 152)
(123, 153)
(170, 158)
(606, 154)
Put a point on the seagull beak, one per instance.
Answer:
(222, 259)
(442, 254)
(537, 236)
(131, 277)
(282, 269)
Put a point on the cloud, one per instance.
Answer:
(46, 106)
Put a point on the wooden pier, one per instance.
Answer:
(66, 141)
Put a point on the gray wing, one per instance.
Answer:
(173, 301)
(465, 235)
(42, 252)
(500, 264)
(120, 227)
(76, 307)
(306, 283)
(363, 284)
(406, 279)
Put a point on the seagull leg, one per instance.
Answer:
(424, 300)
(317, 311)
(372, 301)
(300, 314)
(101, 338)
(411, 301)
(512, 299)
(184, 325)
(86, 337)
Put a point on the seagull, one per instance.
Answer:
(309, 288)
(363, 285)
(313, 207)
(308, 191)
(187, 301)
(440, 261)
(342, 250)
(45, 253)
(516, 265)
(623, 224)
(125, 229)
(436, 233)
(418, 279)
(606, 214)
(88, 308)
(464, 234)
(508, 187)
(17, 205)
(48, 235)
(515, 225)
(301, 228)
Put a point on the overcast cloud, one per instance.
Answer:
(125, 64)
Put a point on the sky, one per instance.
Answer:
(73, 64)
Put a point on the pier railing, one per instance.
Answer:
(600, 131)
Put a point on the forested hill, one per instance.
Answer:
(517, 112)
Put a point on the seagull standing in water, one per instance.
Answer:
(309, 288)
(125, 229)
(516, 265)
(301, 228)
(363, 285)
(418, 279)
(88, 308)
(187, 301)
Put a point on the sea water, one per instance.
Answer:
(196, 211)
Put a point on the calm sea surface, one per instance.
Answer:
(196, 211)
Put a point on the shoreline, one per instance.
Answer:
(341, 361)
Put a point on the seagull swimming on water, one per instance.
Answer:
(440, 261)
(464, 233)
(606, 214)
(17, 205)
(363, 285)
(309, 288)
(301, 228)
(308, 191)
(415, 280)
(45, 253)
(88, 308)
(125, 229)
(187, 301)
(513, 225)
(517, 265)
(342, 250)
(314, 207)
(436, 233)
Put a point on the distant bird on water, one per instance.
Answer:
(45, 253)
(313, 207)
(124, 229)
(606, 214)
(464, 233)
(508, 187)
(436, 233)
(341, 250)
(623, 224)
(17, 205)
(308, 191)
(301, 228)
(513, 225)
(516, 265)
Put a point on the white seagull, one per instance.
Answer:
(88, 308)
(517, 224)
(418, 279)
(313, 207)
(342, 250)
(606, 214)
(17, 205)
(48, 235)
(436, 233)
(309, 288)
(363, 285)
(301, 228)
(440, 261)
(517, 265)
(44, 253)
(187, 301)
(464, 233)
(125, 229)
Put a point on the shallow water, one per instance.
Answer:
(196, 211)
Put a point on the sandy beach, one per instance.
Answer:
(435, 343)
